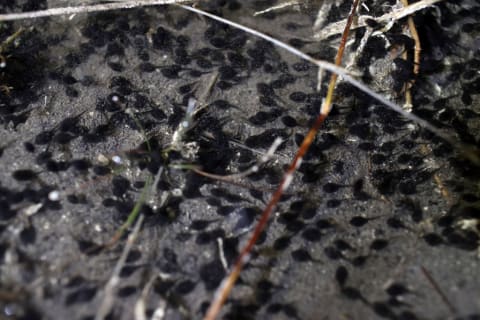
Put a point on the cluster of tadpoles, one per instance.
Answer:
(336, 70)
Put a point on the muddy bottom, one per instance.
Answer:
(381, 219)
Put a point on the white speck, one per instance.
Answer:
(159, 312)
(411, 126)
(191, 105)
(177, 192)
(185, 124)
(97, 228)
(245, 258)
(366, 7)
(10, 310)
(102, 159)
(468, 224)
(31, 210)
(299, 163)
(115, 98)
(287, 181)
(54, 196)
(117, 159)
(3, 64)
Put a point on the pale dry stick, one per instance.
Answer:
(114, 280)
(253, 169)
(278, 7)
(86, 9)
(139, 309)
(336, 28)
(221, 254)
(363, 42)
(408, 105)
(322, 14)
(467, 150)
(227, 284)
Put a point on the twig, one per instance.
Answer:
(221, 254)
(227, 284)
(112, 283)
(140, 306)
(322, 14)
(5, 43)
(416, 59)
(220, 178)
(278, 7)
(253, 169)
(438, 290)
(86, 9)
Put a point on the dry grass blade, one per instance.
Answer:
(86, 9)
(437, 289)
(278, 7)
(112, 283)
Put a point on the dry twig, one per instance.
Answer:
(435, 286)
(416, 59)
(278, 7)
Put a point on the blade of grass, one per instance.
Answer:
(132, 216)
